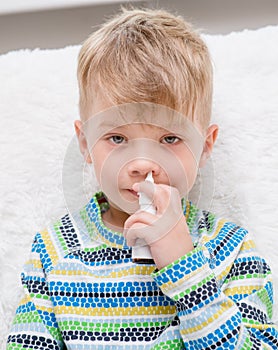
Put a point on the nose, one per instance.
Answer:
(141, 167)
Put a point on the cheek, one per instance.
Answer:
(184, 175)
(99, 154)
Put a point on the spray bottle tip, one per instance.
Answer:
(149, 177)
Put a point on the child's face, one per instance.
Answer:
(125, 153)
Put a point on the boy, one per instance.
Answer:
(145, 81)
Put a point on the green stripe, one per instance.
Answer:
(106, 327)
(191, 220)
(15, 346)
(264, 297)
(60, 236)
(247, 344)
(250, 322)
(95, 249)
(39, 296)
(175, 344)
(243, 277)
(189, 290)
(211, 220)
(30, 317)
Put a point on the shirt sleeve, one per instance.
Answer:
(34, 325)
(233, 312)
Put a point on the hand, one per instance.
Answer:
(166, 232)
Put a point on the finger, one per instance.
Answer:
(139, 225)
(164, 197)
(147, 187)
(157, 193)
(140, 216)
(135, 233)
(168, 200)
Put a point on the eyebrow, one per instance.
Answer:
(111, 125)
(124, 125)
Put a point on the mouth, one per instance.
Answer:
(133, 193)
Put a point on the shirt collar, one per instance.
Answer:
(96, 206)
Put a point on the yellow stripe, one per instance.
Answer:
(71, 273)
(241, 290)
(223, 308)
(116, 311)
(26, 299)
(44, 308)
(34, 262)
(248, 245)
(225, 272)
(136, 270)
(49, 246)
(216, 232)
(245, 246)
(261, 326)
(169, 285)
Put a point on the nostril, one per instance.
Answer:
(141, 167)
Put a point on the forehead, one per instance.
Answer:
(140, 117)
(147, 113)
(137, 128)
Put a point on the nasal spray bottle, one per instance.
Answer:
(141, 253)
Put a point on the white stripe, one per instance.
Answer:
(211, 327)
(89, 278)
(189, 282)
(249, 282)
(43, 302)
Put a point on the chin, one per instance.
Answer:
(128, 202)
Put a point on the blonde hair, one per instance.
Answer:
(147, 55)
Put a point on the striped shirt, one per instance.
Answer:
(82, 290)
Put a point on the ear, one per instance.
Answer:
(78, 126)
(211, 135)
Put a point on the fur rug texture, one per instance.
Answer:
(43, 174)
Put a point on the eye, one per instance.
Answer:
(117, 139)
(171, 139)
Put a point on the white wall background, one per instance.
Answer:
(55, 24)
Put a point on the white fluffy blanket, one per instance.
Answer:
(38, 104)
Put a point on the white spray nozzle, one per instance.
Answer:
(141, 251)
(149, 177)
(144, 201)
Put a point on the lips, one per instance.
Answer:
(133, 192)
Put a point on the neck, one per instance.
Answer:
(114, 219)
